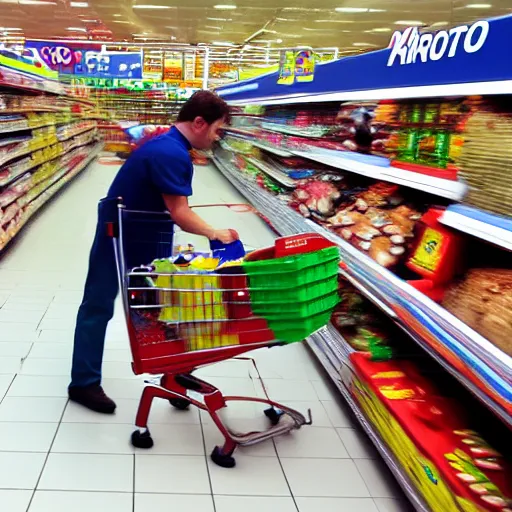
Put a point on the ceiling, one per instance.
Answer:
(351, 25)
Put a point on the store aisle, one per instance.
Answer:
(57, 457)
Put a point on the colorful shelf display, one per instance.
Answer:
(477, 363)
(44, 142)
(448, 283)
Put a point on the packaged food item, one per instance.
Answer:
(483, 300)
(428, 434)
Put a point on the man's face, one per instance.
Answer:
(206, 134)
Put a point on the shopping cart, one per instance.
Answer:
(179, 321)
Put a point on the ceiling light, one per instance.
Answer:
(212, 26)
(150, 6)
(117, 15)
(279, 41)
(364, 45)
(439, 24)
(379, 29)
(76, 29)
(219, 19)
(479, 6)
(333, 21)
(78, 4)
(226, 7)
(223, 43)
(5, 29)
(36, 2)
(123, 22)
(351, 9)
(410, 23)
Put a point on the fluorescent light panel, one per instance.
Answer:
(151, 6)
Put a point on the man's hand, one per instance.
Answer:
(226, 236)
(190, 222)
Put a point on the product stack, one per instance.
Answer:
(45, 140)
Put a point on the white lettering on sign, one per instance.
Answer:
(408, 45)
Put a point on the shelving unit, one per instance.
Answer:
(475, 362)
(491, 228)
(53, 139)
(479, 365)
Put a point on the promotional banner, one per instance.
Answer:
(87, 60)
(296, 66)
(173, 67)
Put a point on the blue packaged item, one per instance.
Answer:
(227, 252)
(301, 174)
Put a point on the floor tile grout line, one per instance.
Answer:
(90, 491)
(43, 315)
(133, 487)
(284, 474)
(46, 459)
(206, 461)
(9, 387)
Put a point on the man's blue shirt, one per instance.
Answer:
(161, 166)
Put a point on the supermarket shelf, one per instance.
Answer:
(76, 132)
(255, 142)
(293, 130)
(491, 228)
(14, 79)
(391, 93)
(275, 174)
(321, 343)
(54, 186)
(276, 151)
(31, 166)
(480, 366)
(240, 131)
(438, 186)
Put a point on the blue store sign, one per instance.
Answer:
(87, 61)
(476, 53)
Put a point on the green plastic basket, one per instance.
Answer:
(292, 271)
(297, 309)
(294, 294)
(291, 331)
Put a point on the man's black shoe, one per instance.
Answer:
(92, 397)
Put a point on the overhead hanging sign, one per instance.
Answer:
(87, 60)
(475, 56)
(296, 66)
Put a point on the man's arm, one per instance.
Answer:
(191, 222)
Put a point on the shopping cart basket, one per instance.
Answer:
(179, 321)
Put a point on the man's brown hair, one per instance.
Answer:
(205, 104)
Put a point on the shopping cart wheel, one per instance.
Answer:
(179, 403)
(142, 439)
(273, 414)
(221, 459)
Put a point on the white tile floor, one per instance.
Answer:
(57, 457)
